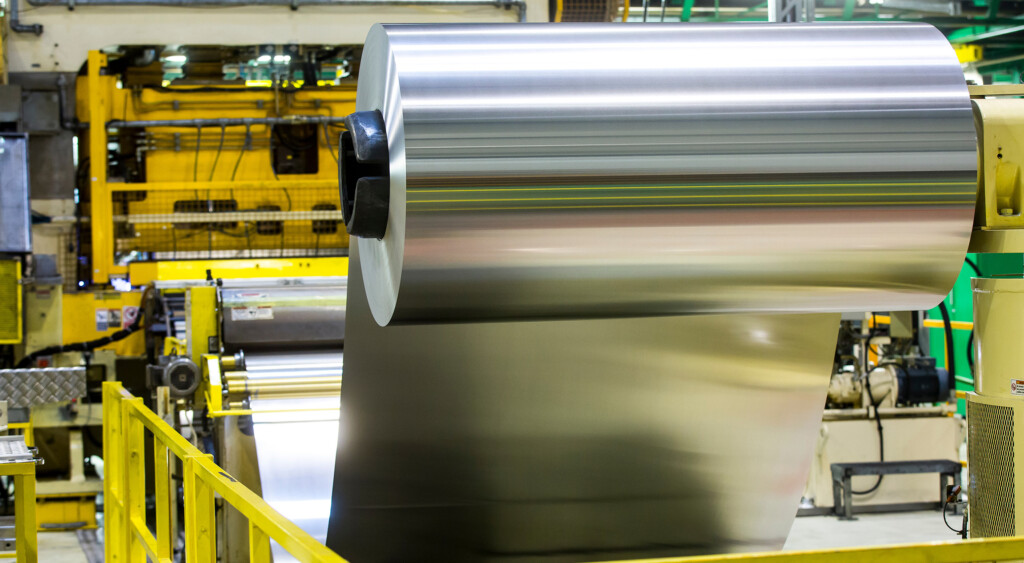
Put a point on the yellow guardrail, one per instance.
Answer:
(127, 424)
(25, 545)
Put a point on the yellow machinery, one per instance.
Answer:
(228, 172)
(10, 302)
(193, 178)
(264, 362)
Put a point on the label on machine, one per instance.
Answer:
(1017, 386)
(261, 313)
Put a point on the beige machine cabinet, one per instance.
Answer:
(995, 411)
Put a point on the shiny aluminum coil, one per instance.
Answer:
(574, 171)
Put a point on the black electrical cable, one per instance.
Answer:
(970, 352)
(91, 344)
(974, 267)
(216, 157)
(327, 139)
(944, 520)
(881, 439)
(950, 352)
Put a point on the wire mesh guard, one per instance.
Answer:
(228, 223)
(991, 461)
(260, 190)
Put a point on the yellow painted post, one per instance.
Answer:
(259, 544)
(25, 515)
(114, 529)
(201, 317)
(102, 208)
(134, 479)
(200, 521)
(163, 491)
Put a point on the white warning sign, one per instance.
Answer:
(1017, 386)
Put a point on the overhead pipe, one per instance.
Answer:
(520, 5)
(17, 26)
(227, 122)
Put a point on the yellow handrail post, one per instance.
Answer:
(259, 544)
(200, 531)
(114, 526)
(134, 479)
(163, 492)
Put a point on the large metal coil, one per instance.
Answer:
(582, 171)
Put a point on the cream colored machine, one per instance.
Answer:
(887, 401)
(995, 410)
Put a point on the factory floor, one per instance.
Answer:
(827, 532)
(812, 532)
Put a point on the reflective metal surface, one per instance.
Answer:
(575, 440)
(568, 171)
(15, 224)
(284, 317)
(296, 449)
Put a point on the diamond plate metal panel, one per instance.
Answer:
(28, 387)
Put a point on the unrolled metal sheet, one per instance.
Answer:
(575, 440)
(588, 182)
(296, 449)
(598, 170)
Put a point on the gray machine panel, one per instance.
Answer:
(15, 214)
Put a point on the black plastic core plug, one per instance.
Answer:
(364, 175)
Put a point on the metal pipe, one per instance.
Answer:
(227, 122)
(305, 386)
(888, 412)
(18, 27)
(520, 5)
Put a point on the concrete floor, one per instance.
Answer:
(824, 532)
(61, 546)
(813, 532)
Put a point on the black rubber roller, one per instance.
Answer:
(364, 175)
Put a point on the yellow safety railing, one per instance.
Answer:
(24, 475)
(127, 424)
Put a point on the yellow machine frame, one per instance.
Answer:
(103, 101)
